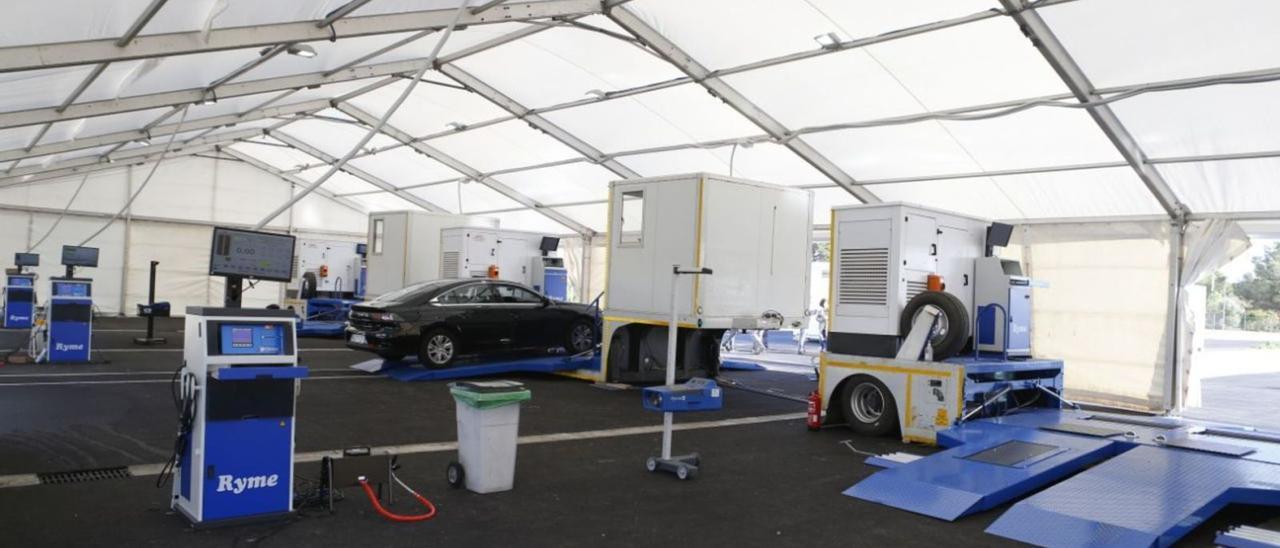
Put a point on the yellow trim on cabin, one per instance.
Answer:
(831, 275)
(663, 323)
(908, 407)
(890, 369)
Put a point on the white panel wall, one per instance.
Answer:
(171, 223)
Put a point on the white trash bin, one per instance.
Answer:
(488, 425)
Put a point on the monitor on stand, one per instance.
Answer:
(245, 254)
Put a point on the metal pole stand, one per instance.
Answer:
(683, 466)
(151, 337)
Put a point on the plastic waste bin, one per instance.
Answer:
(488, 425)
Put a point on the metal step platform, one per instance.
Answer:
(1107, 480)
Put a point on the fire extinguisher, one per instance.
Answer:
(814, 418)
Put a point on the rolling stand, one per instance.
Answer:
(151, 311)
(694, 395)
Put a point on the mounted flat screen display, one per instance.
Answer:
(249, 254)
(26, 259)
(79, 256)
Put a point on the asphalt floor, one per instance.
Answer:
(767, 483)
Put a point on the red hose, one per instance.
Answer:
(373, 498)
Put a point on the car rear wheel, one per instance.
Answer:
(438, 349)
(580, 338)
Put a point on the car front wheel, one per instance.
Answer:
(439, 349)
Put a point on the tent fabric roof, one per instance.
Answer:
(1139, 108)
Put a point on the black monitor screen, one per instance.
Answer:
(79, 256)
(26, 259)
(249, 254)
(998, 234)
(549, 244)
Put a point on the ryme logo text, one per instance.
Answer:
(238, 485)
(64, 347)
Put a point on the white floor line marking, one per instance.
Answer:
(143, 470)
(157, 381)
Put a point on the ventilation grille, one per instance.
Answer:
(449, 264)
(81, 476)
(864, 276)
(916, 288)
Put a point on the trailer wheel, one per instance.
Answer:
(953, 329)
(869, 407)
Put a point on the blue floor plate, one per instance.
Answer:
(739, 365)
(409, 369)
(1148, 496)
(956, 482)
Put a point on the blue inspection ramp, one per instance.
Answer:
(409, 369)
(1107, 480)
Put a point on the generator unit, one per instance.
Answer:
(755, 236)
(513, 255)
(883, 256)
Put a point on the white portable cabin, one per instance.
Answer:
(404, 246)
(756, 238)
(882, 255)
(335, 265)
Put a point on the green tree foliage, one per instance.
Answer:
(1260, 289)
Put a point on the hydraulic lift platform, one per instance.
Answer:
(1132, 481)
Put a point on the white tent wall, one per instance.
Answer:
(1106, 312)
(170, 221)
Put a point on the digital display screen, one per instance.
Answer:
(248, 254)
(26, 259)
(70, 289)
(242, 337)
(20, 281)
(79, 256)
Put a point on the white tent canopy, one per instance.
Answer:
(1038, 112)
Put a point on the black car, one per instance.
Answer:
(441, 320)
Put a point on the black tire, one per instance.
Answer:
(862, 414)
(455, 475)
(438, 349)
(953, 341)
(574, 341)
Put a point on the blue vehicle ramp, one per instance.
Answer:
(1088, 479)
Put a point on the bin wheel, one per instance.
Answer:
(696, 459)
(651, 464)
(684, 472)
(456, 475)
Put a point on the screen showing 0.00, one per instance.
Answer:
(252, 255)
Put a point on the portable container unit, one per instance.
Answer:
(756, 238)
(882, 255)
(404, 246)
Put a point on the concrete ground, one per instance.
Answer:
(579, 481)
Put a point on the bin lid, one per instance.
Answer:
(489, 394)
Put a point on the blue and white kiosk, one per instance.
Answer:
(234, 454)
(67, 333)
(20, 293)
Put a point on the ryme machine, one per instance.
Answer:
(234, 453)
(67, 335)
(20, 292)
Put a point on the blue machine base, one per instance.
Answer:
(403, 370)
(317, 328)
(739, 365)
(1131, 486)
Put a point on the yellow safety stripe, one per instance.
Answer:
(889, 368)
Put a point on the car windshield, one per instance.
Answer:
(410, 293)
